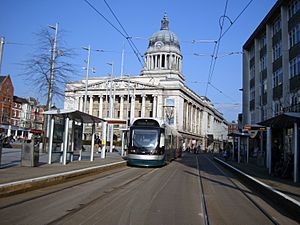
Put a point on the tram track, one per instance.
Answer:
(254, 203)
(62, 187)
(203, 201)
(106, 194)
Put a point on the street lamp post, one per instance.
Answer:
(87, 76)
(53, 54)
(1, 50)
(111, 107)
(87, 68)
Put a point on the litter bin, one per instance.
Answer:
(30, 154)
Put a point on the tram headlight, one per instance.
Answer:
(158, 151)
(131, 150)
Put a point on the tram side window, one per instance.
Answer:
(162, 140)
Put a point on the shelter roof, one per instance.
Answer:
(239, 134)
(75, 115)
(284, 120)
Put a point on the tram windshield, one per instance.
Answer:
(145, 139)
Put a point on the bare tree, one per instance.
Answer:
(38, 66)
(49, 69)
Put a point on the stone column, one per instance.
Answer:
(132, 107)
(91, 105)
(180, 64)
(199, 122)
(143, 105)
(159, 108)
(121, 106)
(191, 116)
(148, 62)
(100, 105)
(195, 120)
(154, 106)
(80, 103)
(187, 117)
(152, 62)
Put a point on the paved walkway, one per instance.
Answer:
(12, 171)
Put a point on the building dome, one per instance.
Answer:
(163, 57)
(164, 36)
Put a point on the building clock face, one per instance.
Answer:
(159, 44)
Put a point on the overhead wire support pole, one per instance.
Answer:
(122, 61)
(51, 78)
(111, 107)
(87, 77)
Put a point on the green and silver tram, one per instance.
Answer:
(152, 142)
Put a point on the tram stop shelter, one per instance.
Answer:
(281, 122)
(71, 116)
(240, 136)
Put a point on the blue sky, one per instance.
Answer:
(189, 20)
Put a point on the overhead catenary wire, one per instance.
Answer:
(128, 38)
(99, 13)
(214, 58)
(215, 51)
(232, 22)
(118, 30)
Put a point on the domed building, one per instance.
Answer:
(159, 91)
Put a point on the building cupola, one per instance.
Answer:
(163, 55)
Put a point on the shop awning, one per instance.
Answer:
(284, 120)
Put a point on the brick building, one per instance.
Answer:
(6, 101)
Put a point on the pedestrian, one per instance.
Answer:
(227, 149)
(99, 145)
(96, 143)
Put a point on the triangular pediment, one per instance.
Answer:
(119, 84)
